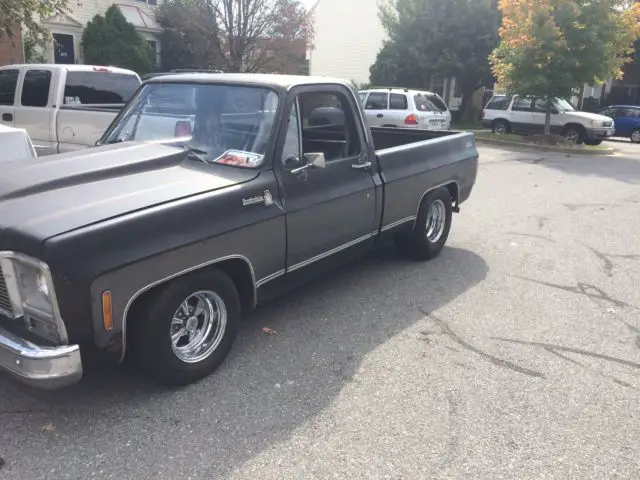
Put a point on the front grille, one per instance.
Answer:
(5, 303)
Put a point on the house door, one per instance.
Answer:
(63, 49)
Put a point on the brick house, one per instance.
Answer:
(11, 49)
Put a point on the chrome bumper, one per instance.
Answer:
(42, 367)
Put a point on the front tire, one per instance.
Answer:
(431, 229)
(189, 327)
(594, 142)
(574, 134)
(635, 136)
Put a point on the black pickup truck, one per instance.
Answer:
(207, 195)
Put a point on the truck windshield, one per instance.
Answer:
(221, 123)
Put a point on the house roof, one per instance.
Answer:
(139, 18)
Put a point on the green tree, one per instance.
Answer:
(234, 35)
(451, 38)
(111, 40)
(550, 47)
(28, 14)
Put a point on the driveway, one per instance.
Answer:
(515, 354)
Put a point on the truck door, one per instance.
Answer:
(8, 87)
(35, 109)
(329, 210)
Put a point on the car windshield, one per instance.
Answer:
(563, 105)
(216, 123)
(424, 103)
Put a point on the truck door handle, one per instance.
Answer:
(7, 117)
(380, 115)
(361, 166)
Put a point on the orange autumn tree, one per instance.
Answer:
(550, 47)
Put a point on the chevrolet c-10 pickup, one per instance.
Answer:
(207, 195)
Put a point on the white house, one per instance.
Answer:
(66, 29)
(348, 35)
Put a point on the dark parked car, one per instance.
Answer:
(627, 120)
(189, 214)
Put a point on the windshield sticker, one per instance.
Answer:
(240, 158)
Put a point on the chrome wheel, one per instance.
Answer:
(635, 136)
(197, 326)
(436, 220)
(572, 136)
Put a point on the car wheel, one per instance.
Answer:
(189, 327)
(635, 136)
(500, 127)
(593, 142)
(431, 229)
(574, 134)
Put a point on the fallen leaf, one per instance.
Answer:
(49, 428)
(269, 331)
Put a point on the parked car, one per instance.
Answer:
(156, 249)
(404, 108)
(63, 107)
(627, 120)
(526, 115)
(15, 144)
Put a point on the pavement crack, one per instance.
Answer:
(607, 264)
(590, 291)
(532, 235)
(577, 351)
(486, 356)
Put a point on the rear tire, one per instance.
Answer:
(635, 136)
(431, 229)
(203, 311)
(500, 127)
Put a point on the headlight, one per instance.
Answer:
(30, 288)
(598, 123)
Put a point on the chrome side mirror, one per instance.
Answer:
(313, 160)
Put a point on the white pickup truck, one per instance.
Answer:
(63, 107)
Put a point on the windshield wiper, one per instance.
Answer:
(196, 153)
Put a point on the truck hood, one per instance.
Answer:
(588, 116)
(48, 196)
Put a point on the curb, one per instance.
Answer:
(546, 148)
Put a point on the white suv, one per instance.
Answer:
(526, 115)
(404, 108)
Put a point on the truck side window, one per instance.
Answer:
(329, 126)
(8, 84)
(291, 154)
(377, 101)
(398, 101)
(522, 104)
(35, 89)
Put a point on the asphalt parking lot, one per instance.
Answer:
(515, 354)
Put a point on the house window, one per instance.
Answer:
(153, 45)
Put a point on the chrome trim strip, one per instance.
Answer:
(298, 266)
(171, 277)
(7, 258)
(268, 278)
(398, 223)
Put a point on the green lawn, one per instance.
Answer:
(511, 137)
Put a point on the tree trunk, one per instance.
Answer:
(466, 108)
(547, 116)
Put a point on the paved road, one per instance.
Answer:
(516, 354)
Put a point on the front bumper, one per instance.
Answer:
(600, 133)
(42, 367)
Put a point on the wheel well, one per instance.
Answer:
(503, 120)
(453, 191)
(575, 125)
(237, 269)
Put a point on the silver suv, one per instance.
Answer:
(404, 108)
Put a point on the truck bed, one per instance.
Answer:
(415, 161)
